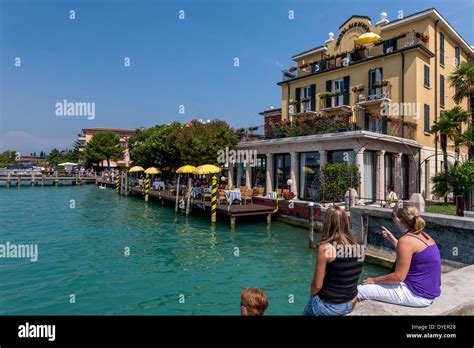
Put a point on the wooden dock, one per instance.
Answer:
(18, 180)
(235, 210)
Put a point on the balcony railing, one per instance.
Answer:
(374, 94)
(356, 55)
(333, 102)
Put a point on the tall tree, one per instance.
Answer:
(8, 158)
(199, 143)
(447, 127)
(54, 157)
(462, 79)
(104, 146)
(155, 146)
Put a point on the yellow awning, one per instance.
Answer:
(367, 38)
(187, 169)
(136, 169)
(206, 169)
(152, 170)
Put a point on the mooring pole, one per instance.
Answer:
(117, 184)
(177, 194)
(147, 186)
(127, 184)
(189, 195)
(311, 225)
(214, 199)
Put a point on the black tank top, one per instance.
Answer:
(340, 281)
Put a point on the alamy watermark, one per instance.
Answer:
(226, 156)
(21, 251)
(346, 251)
(68, 108)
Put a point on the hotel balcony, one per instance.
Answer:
(357, 55)
(335, 103)
(374, 95)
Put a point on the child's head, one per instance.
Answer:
(253, 302)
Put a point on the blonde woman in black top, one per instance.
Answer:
(338, 267)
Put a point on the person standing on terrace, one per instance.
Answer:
(334, 285)
(416, 279)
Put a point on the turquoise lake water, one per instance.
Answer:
(81, 252)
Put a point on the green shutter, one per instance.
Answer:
(441, 90)
(370, 82)
(427, 118)
(345, 96)
(313, 97)
(298, 99)
(328, 89)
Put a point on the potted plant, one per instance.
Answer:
(335, 93)
(385, 83)
(358, 89)
(423, 37)
(292, 68)
(304, 66)
(323, 95)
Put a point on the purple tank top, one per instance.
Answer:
(424, 276)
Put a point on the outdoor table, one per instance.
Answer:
(232, 195)
(195, 192)
(158, 184)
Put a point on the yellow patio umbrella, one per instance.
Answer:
(367, 38)
(187, 169)
(279, 171)
(136, 169)
(207, 169)
(152, 170)
(308, 170)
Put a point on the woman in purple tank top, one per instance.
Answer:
(416, 279)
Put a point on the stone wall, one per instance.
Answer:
(454, 235)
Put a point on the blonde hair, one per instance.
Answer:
(254, 300)
(336, 227)
(409, 216)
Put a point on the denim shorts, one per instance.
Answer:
(317, 306)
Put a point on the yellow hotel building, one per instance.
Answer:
(392, 91)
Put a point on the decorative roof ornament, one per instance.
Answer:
(330, 37)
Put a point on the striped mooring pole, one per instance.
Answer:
(117, 183)
(276, 207)
(147, 186)
(214, 199)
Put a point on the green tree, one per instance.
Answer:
(8, 158)
(155, 146)
(462, 79)
(462, 177)
(103, 146)
(55, 157)
(466, 139)
(199, 143)
(448, 127)
(336, 179)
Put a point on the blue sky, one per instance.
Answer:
(174, 62)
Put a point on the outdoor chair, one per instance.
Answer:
(221, 197)
(248, 196)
